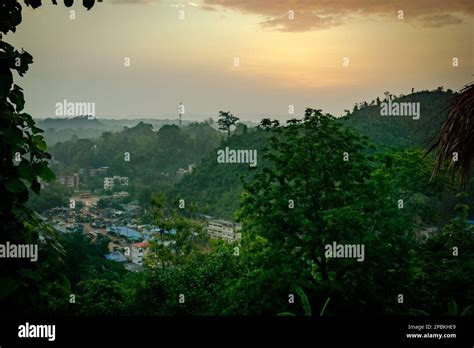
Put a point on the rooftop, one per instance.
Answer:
(116, 256)
(143, 244)
(125, 231)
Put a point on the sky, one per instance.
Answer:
(253, 58)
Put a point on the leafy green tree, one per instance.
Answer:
(322, 188)
(24, 161)
(267, 123)
(144, 195)
(445, 268)
(203, 281)
(226, 121)
(407, 177)
(54, 195)
(99, 297)
(214, 187)
(189, 234)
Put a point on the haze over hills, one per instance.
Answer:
(82, 127)
(159, 146)
(216, 189)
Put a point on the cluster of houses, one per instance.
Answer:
(130, 240)
(132, 255)
(218, 229)
(72, 181)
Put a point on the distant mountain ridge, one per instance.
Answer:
(81, 127)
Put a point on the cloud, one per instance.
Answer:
(209, 8)
(323, 14)
(437, 21)
(306, 21)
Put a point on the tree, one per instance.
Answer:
(188, 234)
(99, 297)
(144, 195)
(24, 161)
(446, 268)
(311, 197)
(226, 121)
(54, 195)
(265, 123)
(203, 280)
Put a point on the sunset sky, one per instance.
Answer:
(283, 61)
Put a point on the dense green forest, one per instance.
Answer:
(334, 197)
(151, 152)
(215, 188)
(319, 180)
(149, 158)
(282, 250)
(81, 127)
(399, 132)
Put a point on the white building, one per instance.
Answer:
(138, 251)
(110, 182)
(223, 229)
(71, 181)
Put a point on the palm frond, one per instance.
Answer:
(457, 137)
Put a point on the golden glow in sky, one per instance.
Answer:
(192, 59)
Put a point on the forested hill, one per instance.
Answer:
(390, 132)
(214, 188)
(151, 152)
(82, 127)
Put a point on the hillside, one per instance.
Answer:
(155, 156)
(400, 131)
(63, 129)
(215, 188)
